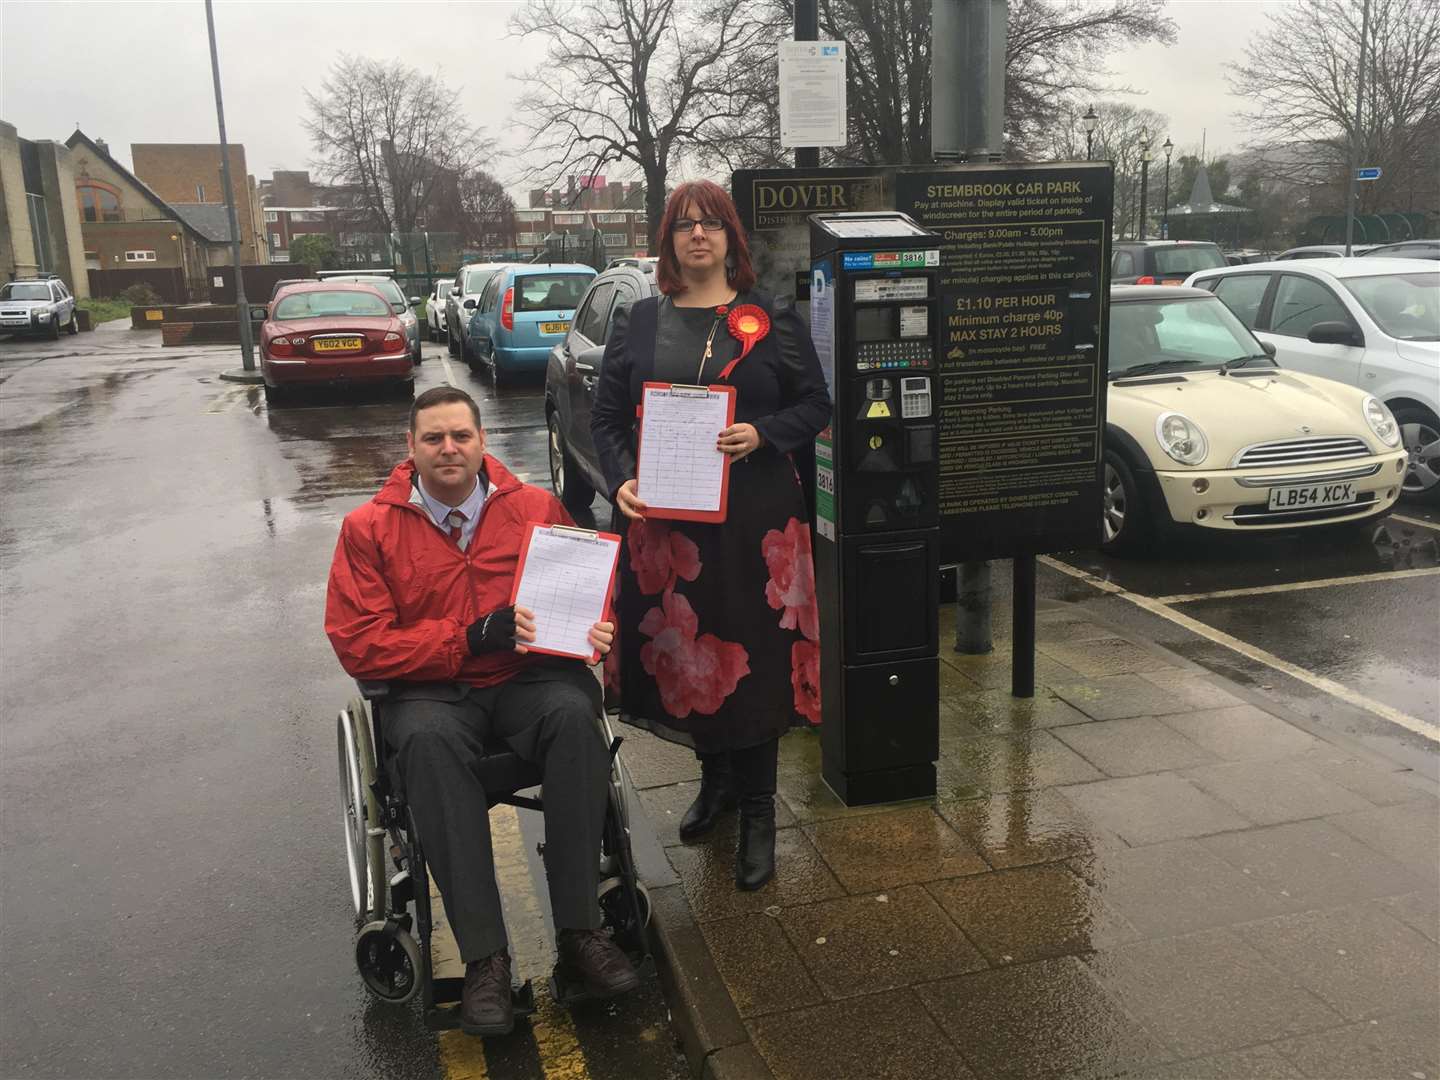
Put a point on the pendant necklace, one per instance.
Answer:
(709, 349)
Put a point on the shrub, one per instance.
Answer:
(141, 294)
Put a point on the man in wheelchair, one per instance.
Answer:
(419, 595)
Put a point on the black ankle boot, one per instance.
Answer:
(716, 796)
(755, 853)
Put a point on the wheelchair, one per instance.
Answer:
(387, 871)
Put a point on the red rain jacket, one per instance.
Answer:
(402, 593)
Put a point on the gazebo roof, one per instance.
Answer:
(1203, 202)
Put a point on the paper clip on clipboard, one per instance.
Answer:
(680, 474)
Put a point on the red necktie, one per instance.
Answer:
(456, 521)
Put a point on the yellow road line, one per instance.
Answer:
(1420, 727)
(532, 956)
(1297, 586)
(1415, 521)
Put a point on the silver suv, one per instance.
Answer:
(37, 306)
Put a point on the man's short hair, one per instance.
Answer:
(442, 395)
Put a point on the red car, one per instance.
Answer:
(322, 333)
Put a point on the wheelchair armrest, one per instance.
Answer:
(373, 689)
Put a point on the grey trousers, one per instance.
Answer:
(547, 715)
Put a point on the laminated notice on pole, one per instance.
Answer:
(680, 474)
(812, 93)
(564, 577)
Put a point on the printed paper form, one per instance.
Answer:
(680, 469)
(566, 582)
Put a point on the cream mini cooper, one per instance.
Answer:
(1206, 430)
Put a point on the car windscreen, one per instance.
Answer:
(25, 291)
(549, 292)
(475, 281)
(322, 304)
(1182, 333)
(1187, 259)
(1405, 306)
(386, 287)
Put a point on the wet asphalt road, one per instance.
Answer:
(173, 899)
(173, 902)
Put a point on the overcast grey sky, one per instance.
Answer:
(139, 71)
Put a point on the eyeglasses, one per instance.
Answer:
(685, 224)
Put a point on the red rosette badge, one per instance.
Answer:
(747, 324)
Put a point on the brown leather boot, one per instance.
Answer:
(590, 957)
(485, 1004)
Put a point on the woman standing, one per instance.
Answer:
(718, 646)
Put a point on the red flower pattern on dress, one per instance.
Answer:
(659, 556)
(791, 587)
(693, 675)
(805, 679)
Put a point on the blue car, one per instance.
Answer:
(523, 312)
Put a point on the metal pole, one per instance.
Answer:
(242, 306)
(1355, 133)
(1022, 659)
(972, 615)
(1144, 190)
(967, 78)
(1089, 142)
(1165, 214)
(807, 28)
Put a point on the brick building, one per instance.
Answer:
(187, 175)
(127, 226)
(40, 229)
(284, 223)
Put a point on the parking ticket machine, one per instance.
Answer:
(874, 314)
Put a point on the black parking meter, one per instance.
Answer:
(874, 317)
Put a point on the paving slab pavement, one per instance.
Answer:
(1141, 872)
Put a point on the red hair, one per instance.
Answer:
(711, 200)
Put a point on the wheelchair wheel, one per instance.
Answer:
(389, 962)
(617, 914)
(360, 814)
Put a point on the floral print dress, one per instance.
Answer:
(718, 644)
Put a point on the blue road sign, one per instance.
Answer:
(1371, 172)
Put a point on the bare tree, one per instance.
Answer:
(637, 83)
(1302, 73)
(1119, 132)
(392, 135)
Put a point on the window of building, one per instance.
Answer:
(98, 203)
(612, 219)
(271, 217)
(569, 219)
(275, 244)
(199, 192)
(529, 239)
(617, 239)
(139, 256)
(530, 215)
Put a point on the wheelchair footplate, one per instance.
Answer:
(444, 1013)
(566, 990)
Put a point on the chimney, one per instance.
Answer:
(104, 146)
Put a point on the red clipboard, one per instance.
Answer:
(671, 513)
(578, 534)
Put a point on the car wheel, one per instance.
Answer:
(419, 355)
(74, 327)
(405, 391)
(450, 344)
(54, 330)
(569, 485)
(275, 397)
(1420, 436)
(1123, 522)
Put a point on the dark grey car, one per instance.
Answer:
(572, 372)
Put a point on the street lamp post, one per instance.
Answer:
(1144, 179)
(242, 306)
(1089, 120)
(1169, 148)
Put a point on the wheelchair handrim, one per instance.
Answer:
(352, 813)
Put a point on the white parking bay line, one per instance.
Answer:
(1410, 723)
(449, 374)
(1416, 521)
(1296, 586)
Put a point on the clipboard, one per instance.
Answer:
(686, 456)
(568, 588)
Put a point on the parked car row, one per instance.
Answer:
(508, 315)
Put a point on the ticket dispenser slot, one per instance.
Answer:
(876, 322)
